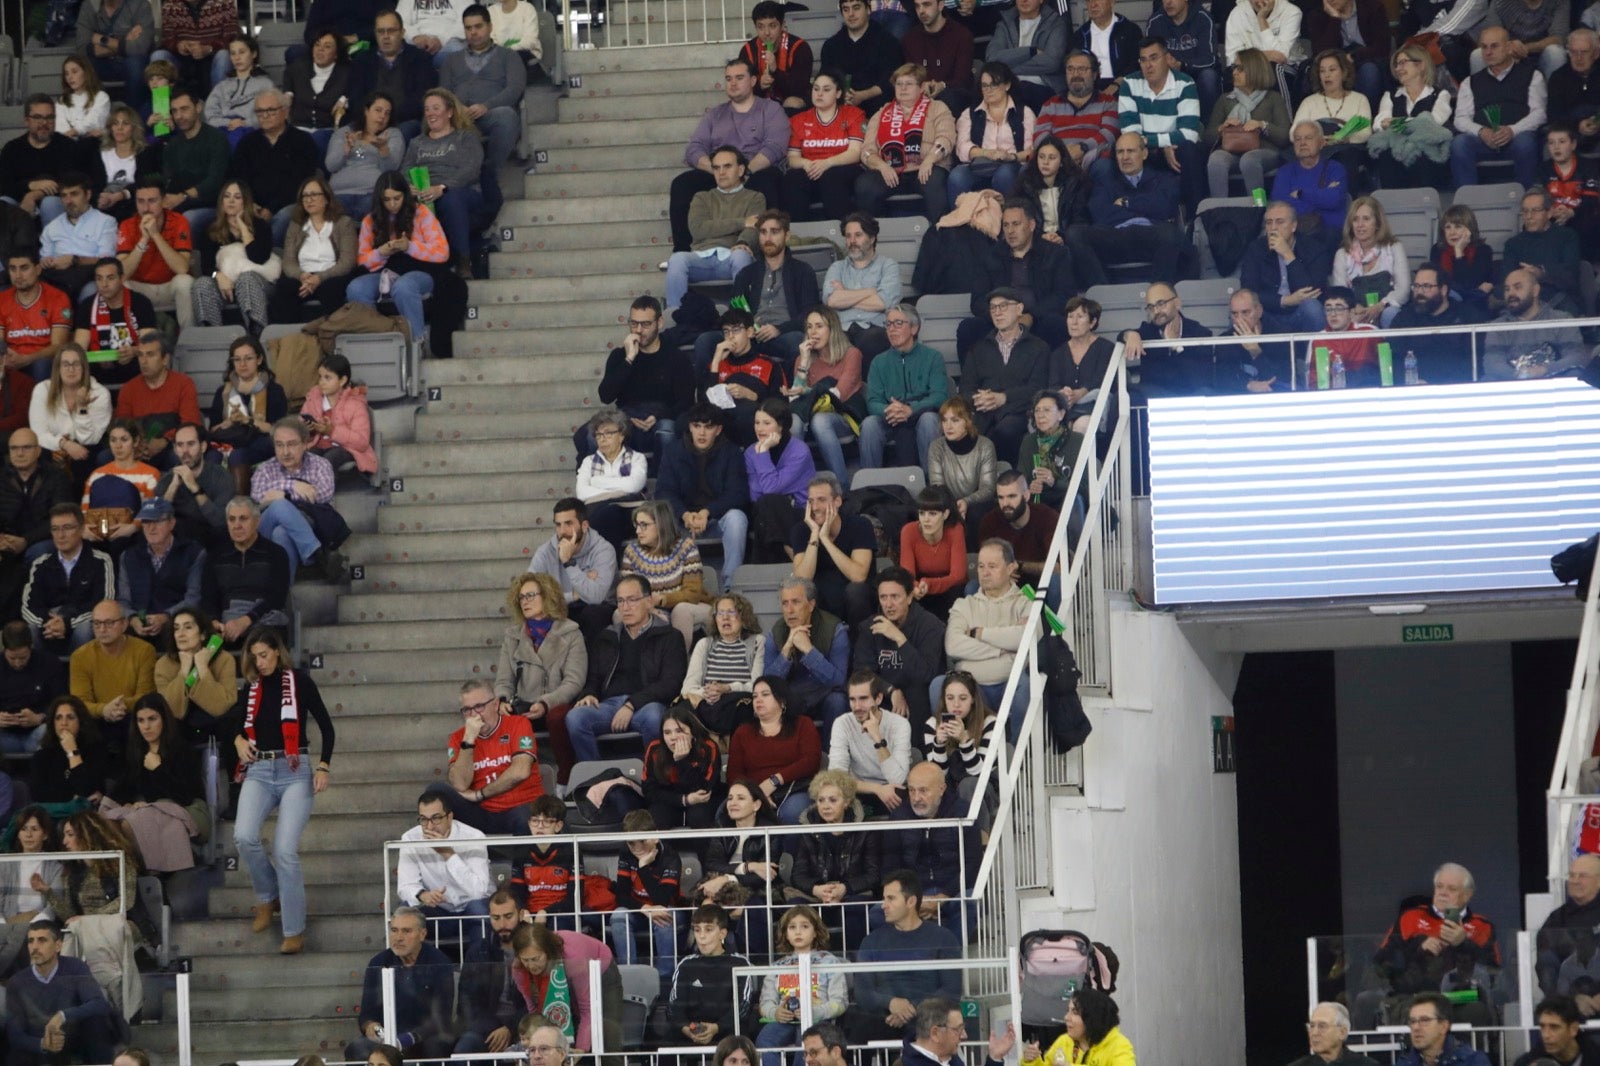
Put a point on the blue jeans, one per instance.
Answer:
(1002, 178)
(408, 293)
(777, 1034)
(734, 526)
(875, 433)
(502, 126)
(269, 785)
(665, 938)
(686, 268)
(1468, 148)
(457, 209)
(992, 695)
(288, 527)
(199, 218)
(826, 429)
(793, 806)
(355, 204)
(22, 741)
(586, 724)
(1304, 317)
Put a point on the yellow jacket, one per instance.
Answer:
(1114, 1050)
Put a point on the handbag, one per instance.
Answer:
(1237, 140)
(1381, 284)
(105, 519)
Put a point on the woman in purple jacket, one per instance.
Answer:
(778, 467)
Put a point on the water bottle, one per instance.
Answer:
(1411, 367)
(1336, 372)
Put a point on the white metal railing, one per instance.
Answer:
(1565, 803)
(80, 856)
(653, 23)
(1301, 343)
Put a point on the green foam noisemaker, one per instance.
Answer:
(161, 104)
(1322, 367)
(1385, 364)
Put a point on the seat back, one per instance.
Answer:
(1498, 208)
(1206, 301)
(1414, 217)
(818, 257)
(380, 361)
(941, 315)
(633, 769)
(907, 477)
(202, 353)
(901, 240)
(1121, 306)
(641, 987)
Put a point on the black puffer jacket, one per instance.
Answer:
(822, 858)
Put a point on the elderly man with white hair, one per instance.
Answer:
(1326, 1029)
(1437, 940)
(1562, 967)
(273, 160)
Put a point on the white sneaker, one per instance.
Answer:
(662, 265)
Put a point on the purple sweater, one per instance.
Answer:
(790, 474)
(763, 130)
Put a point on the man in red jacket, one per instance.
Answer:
(160, 399)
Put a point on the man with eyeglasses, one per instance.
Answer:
(494, 765)
(741, 375)
(1428, 1019)
(30, 165)
(1574, 91)
(28, 491)
(906, 385)
(703, 477)
(1445, 355)
(1326, 1030)
(548, 1046)
(1551, 253)
(636, 668)
(74, 241)
(1082, 117)
(1040, 271)
(940, 1029)
(650, 382)
(545, 877)
(274, 160)
(1133, 218)
(1165, 371)
(395, 66)
(823, 1045)
(1003, 371)
(112, 671)
(1357, 351)
(64, 585)
(35, 317)
(450, 880)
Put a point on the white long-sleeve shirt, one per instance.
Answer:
(83, 115)
(463, 877)
(85, 425)
(1244, 29)
(520, 24)
(1467, 108)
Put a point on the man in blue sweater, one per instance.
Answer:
(54, 1009)
(703, 477)
(424, 994)
(1312, 184)
(1135, 219)
(886, 1002)
(1287, 270)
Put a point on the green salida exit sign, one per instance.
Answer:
(1430, 634)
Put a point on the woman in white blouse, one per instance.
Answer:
(1416, 99)
(610, 477)
(84, 106)
(71, 412)
(319, 256)
(1371, 261)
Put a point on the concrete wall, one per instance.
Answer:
(1161, 880)
(1418, 786)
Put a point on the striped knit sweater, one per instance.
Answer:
(676, 577)
(1166, 118)
(1093, 126)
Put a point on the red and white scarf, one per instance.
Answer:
(104, 324)
(900, 135)
(288, 716)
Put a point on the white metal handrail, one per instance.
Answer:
(80, 856)
(1577, 736)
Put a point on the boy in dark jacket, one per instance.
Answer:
(704, 479)
(701, 1003)
(648, 876)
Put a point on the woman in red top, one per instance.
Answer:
(934, 550)
(779, 750)
(824, 152)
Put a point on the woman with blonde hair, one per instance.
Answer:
(450, 149)
(1249, 126)
(1410, 144)
(1371, 262)
(543, 660)
(827, 394)
(123, 156)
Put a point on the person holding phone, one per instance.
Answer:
(1440, 943)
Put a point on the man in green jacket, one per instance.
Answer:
(906, 385)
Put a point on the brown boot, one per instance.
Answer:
(293, 945)
(263, 916)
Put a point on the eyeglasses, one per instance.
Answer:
(1157, 305)
(524, 597)
(107, 623)
(433, 819)
(896, 323)
(1423, 286)
(634, 323)
(609, 431)
(629, 601)
(42, 118)
(479, 708)
(1331, 308)
(1413, 1022)
(727, 614)
(1001, 305)
(734, 331)
(269, 110)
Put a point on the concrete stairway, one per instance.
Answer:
(486, 456)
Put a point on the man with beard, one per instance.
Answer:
(1164, 371)
(1531, 352)
(198, 491)
(1445, 356)
(943, 47)
(778, 289)
(1082, 119)
(648, 382)
(1027, 527)
(488, 1014)
(863, 286)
